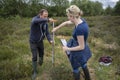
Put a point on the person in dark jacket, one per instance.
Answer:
(39, 29)
(77, 46)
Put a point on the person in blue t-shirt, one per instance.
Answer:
(78, 47)
(39, 29)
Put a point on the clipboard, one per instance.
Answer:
(64, 43)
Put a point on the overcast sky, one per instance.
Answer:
(105, 3)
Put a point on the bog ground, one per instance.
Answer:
(15, 55)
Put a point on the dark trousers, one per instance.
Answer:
(37, 48)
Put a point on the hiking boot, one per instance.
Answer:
(40, 61)
(34, 75)
(76, 76)
(86, 73)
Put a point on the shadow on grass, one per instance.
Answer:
(61, 72)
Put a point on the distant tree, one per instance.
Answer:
(108, 10)
(29, 8)
(34, 6)
(8, 7)
(61, 2)
(76, 2)
(58, 7)
(13, 7)
(98, 9)
(89, 8)
(20, 7)
(117, 8)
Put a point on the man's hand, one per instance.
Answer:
(51, 42)
(52, 20)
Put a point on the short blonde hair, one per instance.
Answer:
(74, 11)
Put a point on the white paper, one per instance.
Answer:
(64, 43)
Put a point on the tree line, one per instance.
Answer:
(29, 8)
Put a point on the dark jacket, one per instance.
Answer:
(39, 29)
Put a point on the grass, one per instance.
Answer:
(15, 55)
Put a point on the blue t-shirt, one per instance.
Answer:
(81, 30)
(79, 58)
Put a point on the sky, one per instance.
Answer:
(105, 3)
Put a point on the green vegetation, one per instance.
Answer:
(15, 55)
(30, 8)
